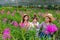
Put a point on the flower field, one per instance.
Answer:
(10, 18)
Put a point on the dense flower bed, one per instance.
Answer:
(10, 19)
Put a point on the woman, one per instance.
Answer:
(25, 22)
(35, 24)
(47, 23)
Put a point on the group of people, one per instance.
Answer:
(48, 28)
(44, 29)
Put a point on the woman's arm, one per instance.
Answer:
(41, 25)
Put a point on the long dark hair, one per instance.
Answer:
(24, 17)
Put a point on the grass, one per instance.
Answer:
(22, 34)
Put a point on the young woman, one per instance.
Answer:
(46, 24)
(25, 22)
(35, 24)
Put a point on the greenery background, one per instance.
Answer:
(21, 34)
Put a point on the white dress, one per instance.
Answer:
(32, 25)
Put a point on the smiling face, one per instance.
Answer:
(25, 18)
(34, 20)
(47, 19)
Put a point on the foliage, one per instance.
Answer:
(22, 34)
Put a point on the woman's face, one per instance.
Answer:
(26, 18)
(47, 19)
(34, 20)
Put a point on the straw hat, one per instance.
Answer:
(25, 15)
(50, 16)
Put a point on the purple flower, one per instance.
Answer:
(6, 34)
(14, 23)
(52, 28)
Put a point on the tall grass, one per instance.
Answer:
(22, 34)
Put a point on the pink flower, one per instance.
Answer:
(2, 11)
(14, 11)
(52, 28)
(12, 14)
(11, 22)
(14, 23)
(8, 12)
(40, 14)
(5, 19)
(6, 34)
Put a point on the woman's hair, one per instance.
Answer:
(35, 17)
(49, 19)
(24, 17)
